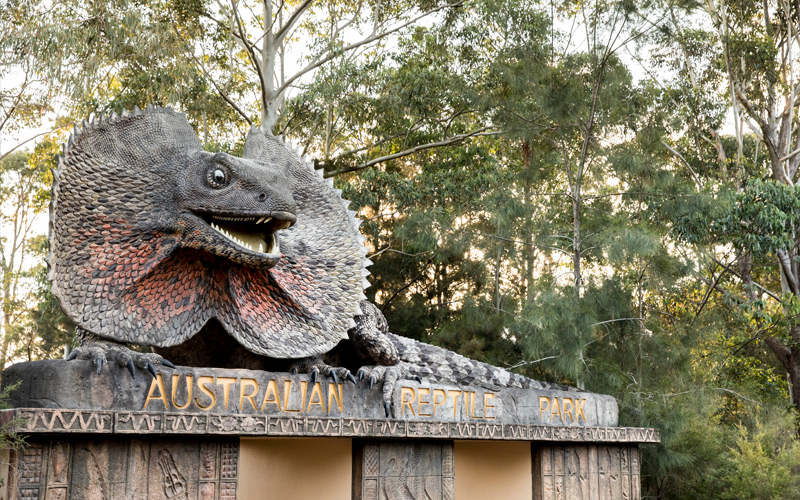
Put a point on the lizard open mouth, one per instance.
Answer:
(256, 234)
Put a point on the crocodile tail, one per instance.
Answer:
(441, 365)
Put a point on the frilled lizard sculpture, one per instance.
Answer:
(214, 260)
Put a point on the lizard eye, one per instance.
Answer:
(217, 177)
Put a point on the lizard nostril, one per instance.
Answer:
(262, 197)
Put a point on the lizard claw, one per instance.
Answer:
(151, 369)
(360, 374)
(351, 378)
(315, 366)
(103, 351)
(418, 379)
(387, 406)
(372, 381)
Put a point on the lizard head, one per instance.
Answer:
(151, 238)
(235, 208)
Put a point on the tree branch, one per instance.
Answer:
(281, 33)
(400, 154)
(677, 154)
(29, 139)
(786, 266)
(781, 352)
(369, 39)
(211, 79)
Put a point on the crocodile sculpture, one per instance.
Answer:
(215, 260)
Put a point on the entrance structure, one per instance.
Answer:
(255, 267)
(202, 433)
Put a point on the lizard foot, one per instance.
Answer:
(388, 375)
(102, 351)
(314, 366)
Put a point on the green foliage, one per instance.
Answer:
(765, 461)
(761, 218)
(574, 223)
(9, 438)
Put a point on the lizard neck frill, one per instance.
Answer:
(128, 263)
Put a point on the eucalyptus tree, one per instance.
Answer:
(739, 62)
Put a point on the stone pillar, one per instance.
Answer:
(586, 472)
(414, 469)
(110, 467)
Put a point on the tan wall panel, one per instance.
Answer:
(295, 469)
(493, 469)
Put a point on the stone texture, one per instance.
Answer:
(115, 468)
(586, 472)
(134, 259)
(59, 384)
(410, 470)
(49, 421)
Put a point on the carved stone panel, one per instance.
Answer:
(586, 472)
(385, 470)
(66, 468)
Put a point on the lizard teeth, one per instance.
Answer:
(260, 247)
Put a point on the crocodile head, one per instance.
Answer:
(234, 208)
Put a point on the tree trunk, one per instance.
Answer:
(527, 154)
(576, 237)
(790, 359)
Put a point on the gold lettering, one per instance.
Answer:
(544, 405)
(189, 385)
(157, 383)
(556, 410)
(579, 410)
(454, 396)
(316, 390)
(486, 397)
(287, 389)
(423, 391)
(332, 395)
(472, 405)
(437, 392)
(226, 383)
(272, 390)
(202, 383)
(403, 402)
(567, 407)
(243, 384)
(303, 391)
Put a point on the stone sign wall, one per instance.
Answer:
(256, 394)
(176, 435)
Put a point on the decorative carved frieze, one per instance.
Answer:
(45, 420)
